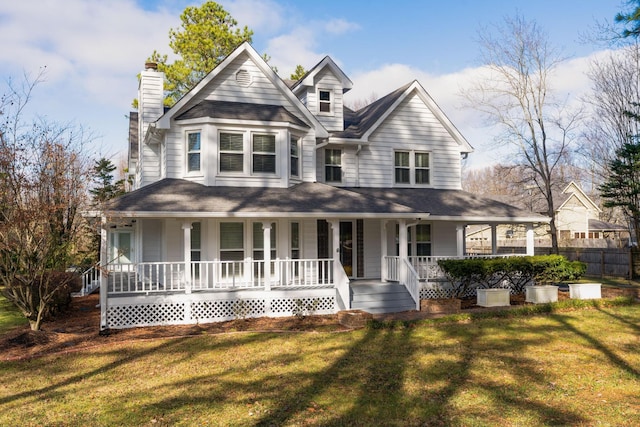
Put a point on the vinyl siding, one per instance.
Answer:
(372, 249)
(411, 127)
(152, 240)
(225, 88)
(325, 80)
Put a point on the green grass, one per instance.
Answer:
(568, 366)
(10, 316)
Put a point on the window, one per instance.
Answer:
(418, 240)
(231, 241)
(324, 98)
(422, 168)
(196, 247)
(411, 167)
(403, 170)
(295, 240)
(333, 165)
(231, 152)
(294, 156)
(193, 152)
(264, 153)
(423, 239)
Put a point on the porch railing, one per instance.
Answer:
(157, 277)
(426, 267)
(412, 282)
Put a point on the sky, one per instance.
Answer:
(93, 50)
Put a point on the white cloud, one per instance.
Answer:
(261, 16)
(340, 26)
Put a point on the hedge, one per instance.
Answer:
(516, 272)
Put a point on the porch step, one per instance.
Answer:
(381, 298)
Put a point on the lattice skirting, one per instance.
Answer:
(182, 309)
(443, 290)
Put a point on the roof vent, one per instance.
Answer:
(243, 78)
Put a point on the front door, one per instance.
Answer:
(121, 247)
(347, 248)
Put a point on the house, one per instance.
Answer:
(577, 221)
(254, 197)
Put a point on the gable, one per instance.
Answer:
(576, 196)
(243, 77)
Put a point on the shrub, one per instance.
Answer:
(467, 274)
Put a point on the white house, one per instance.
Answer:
(257, 197)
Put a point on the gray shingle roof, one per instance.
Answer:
(448, 203)
(317, 199)
(356, 123)
(241, 111)
(176, 195)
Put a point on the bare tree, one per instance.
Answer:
(43, 174)
(516, 95)
(615, 92)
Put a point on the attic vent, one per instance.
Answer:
(243, 78)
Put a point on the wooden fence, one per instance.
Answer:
(600, 262)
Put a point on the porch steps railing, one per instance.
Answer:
(90, 281)
(381, 297)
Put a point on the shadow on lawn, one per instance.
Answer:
(613, 357)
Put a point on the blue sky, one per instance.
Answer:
(93, 49)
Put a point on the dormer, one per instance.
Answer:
(321, 90)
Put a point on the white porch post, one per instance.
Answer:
(266, 229)
(383, 250)
(186, 228)
(104, 282)
(460, 240)
(403, 253)
(530, 242)
(335, 231)
(494, 239)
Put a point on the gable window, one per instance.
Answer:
(422, 168)
(194, 154)
(324, 101)
(231, 152)
(263, 150)
(294, 156)
(333, 165)
(411, 167)
(403, 170)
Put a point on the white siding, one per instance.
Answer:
(151, 240)
(443, 239)
(325, 80)
(372, 248)
(174, 238)
(309, 235)
(411, 127)
(150, 163)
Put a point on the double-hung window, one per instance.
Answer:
(231, 152)
(194, 152)
(411, 167)
(294, 156)
(324, 101)
(263, 149)
(402, 168)
(332, 165)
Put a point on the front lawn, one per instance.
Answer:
(579, 367)
(10, 316)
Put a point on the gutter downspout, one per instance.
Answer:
(358, 165)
